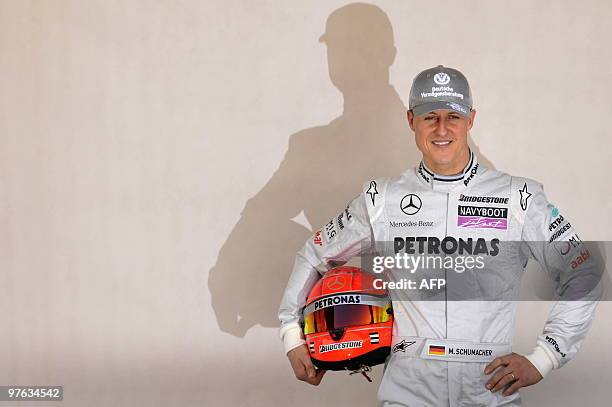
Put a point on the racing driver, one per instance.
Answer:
(453, 352)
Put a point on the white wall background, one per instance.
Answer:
(133, 133)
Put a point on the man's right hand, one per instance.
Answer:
(302, 366)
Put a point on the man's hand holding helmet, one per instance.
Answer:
(302, 366)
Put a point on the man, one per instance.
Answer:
(460, 352)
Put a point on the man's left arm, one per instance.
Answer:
(551, 239)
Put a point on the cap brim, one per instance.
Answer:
(430, 107)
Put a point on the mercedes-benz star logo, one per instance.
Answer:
(411, 204)
(336, 283)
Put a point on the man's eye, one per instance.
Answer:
(430, 117)
(454, 117)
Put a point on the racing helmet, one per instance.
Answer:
(347, 322)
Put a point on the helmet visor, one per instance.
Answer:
(342, 316)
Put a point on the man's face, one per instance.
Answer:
(441, 135)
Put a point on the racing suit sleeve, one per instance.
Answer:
(553, 242)
(343, 237)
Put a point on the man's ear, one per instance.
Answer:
(472, 116)
(410, 116)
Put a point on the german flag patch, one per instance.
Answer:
(436, 350)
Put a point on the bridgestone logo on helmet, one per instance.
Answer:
(341, 345)
(337, 300)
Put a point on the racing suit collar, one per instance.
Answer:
(449, 182)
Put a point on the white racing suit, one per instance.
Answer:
(445, 345)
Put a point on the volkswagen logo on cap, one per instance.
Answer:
(411, 204)
(441, 78)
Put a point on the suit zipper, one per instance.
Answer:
(445, 276)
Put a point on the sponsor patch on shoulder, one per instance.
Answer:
(317, 239)
(565, 247)
(344, 218)
(525, 195)
(372, 192)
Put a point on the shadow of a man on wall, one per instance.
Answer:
(322, 170)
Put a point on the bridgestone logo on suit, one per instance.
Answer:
(483, 199)
(560, 232)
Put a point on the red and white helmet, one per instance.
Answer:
(347, 322)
